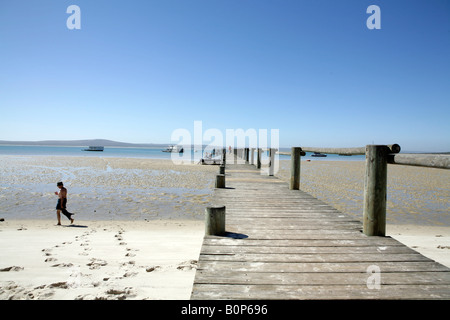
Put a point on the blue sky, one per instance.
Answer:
(138, 70)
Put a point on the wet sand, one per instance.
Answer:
(415, 195)
(104, 188)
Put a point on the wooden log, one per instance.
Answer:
(258, 158)
(220, 181)
(393, 148)
(441, 161)
(224, 156)
(375, 181)
(252, 156)
(295, 168)
(272, 161)
(215, 221)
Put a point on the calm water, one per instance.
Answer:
(149, 153)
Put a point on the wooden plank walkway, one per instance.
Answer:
(286, 244)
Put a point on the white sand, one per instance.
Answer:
(99, 260)
(431, 241)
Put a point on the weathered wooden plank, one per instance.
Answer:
(216, 267)
(300, 228)
(359, 242)
(292, 235)
(338, 292)
(304, 250)
(321, 278)
(318, 257)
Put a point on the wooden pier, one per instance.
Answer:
(286, 244)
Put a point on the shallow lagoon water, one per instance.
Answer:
(104, 188)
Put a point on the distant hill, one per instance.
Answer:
(81, 143)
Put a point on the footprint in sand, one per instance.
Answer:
(47, 252)
(187, 265)
(63, 265)
(153, 268)
(96, 263)
(12, 268)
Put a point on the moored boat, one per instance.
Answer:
(94, 148)
(176, 149)
(318, 154)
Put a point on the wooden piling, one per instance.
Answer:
(295, 168)
(258, 158)
(272, 152)
(224, 156)
(220, 181)
(215, 221)
(375, 181)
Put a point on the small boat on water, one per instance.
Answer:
(318, 154)
(94, 148)
(174, 149)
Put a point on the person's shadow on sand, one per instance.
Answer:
(75, 226)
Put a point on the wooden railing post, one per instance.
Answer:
(295, 168)
(375, 180)
(215, 221)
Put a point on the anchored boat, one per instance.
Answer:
(318, 154)
(94, 148)
(175, 149)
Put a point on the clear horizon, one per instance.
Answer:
(136, 71)
(158, 145)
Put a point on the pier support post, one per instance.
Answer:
(220, 181)
(222, 169)
(224, 156)
(258, 158)
(375, 181)
(295, 168)
(272, 152)
(215, 221)
(246, 155)
(252, 156)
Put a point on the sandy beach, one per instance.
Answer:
(98, 259)
(139, 222)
